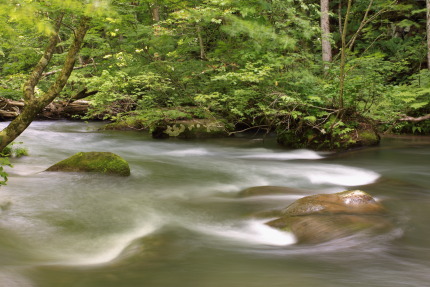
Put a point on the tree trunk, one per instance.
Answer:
(325, 33)
(201, 44)
(428, 32)
(155, 11)
(343, 60)
(34, 105)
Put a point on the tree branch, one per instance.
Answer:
(68, 66)
(59, 70)
(36, 74)
(413, 119)
(82, 94)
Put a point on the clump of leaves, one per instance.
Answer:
(14, 150)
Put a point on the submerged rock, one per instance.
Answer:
(268, 190)
(323, 217)
(100, 162)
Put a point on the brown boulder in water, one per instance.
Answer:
(323, 217)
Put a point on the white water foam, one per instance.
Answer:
(188, 152)
(292, 155)
(113, 246)
(251, 232)
(345, 176)
(322, 174)
(13, 279)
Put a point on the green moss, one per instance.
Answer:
(128, 123)
(101, 162)
(190, 129)
(368, 137)
(311, 139)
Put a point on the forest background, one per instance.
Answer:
(320, 74)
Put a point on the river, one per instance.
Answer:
(177, 220)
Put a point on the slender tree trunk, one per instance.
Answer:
(343, 59)
(325, 33)
(155, 11)
(428, 32)
(339, 16)
(201, 44)
(35, 105)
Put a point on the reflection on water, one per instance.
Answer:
(177, 220)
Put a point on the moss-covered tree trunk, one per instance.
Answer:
(35, 104)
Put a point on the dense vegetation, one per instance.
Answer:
(252, 64)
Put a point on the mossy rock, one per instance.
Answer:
(126, 124)
(191, 129)
(322, 217)
(100, 162)
(357, 133)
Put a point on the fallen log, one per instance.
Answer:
(74, 107)
(10, 109)
(65, 110)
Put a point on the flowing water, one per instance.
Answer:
(177, 220)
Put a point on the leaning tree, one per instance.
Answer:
(55, 21)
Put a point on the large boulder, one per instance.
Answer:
(100, 162)
(323, 217)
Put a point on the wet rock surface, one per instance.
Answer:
(323, 217)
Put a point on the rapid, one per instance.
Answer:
(178, 221)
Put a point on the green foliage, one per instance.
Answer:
(252, 63)
(412, 99)
(4, 161)
(11, 86)
(12, 150)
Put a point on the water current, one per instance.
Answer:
(177, 220)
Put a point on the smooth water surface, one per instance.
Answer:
(177, 220)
